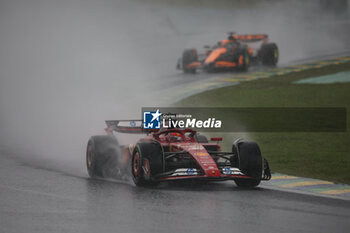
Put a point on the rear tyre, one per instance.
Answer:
(250, 163)
(101, 154)
(147, 161)
(268, 54)
(189, 56)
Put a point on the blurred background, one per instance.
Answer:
(68, 65)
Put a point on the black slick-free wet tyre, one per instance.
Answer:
(101, 152)
(250, 162)
(189, 56)
(147, 161)
(269, 54)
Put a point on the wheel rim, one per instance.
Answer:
(89, 156)
(147, 168)
(136, 164)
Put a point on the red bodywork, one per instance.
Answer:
(185, 143)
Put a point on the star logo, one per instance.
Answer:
(155, 115)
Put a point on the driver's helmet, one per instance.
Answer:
(232, 39)
(174, 137)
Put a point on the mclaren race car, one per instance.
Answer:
(173, 154)
(236, 52)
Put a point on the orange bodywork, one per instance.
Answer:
(240, 60)
(223, 42)
(250, 51)
(195, 64)
(221, 64)
(214, 55)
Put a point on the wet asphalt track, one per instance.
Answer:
(39, 200)
(36, 199)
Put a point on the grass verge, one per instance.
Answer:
(316, 155)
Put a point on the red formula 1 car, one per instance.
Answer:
(237, 52)
(173, 154)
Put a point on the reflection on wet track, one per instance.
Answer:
(38, 200)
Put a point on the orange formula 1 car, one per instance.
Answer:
(237, 52)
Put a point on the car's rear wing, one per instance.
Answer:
(127, 126)
(252, 37)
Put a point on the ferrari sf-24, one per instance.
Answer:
(173, 154)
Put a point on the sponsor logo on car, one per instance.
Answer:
(190, 171)
(227, 171)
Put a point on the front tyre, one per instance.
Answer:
(250, 163)
(147, 161)
(189, 56)
(247, 183)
